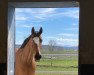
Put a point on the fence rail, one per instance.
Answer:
(58, 62)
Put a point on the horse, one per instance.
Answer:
(29, 53)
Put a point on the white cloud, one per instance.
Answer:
(67, 42)
(48, 10)
(69, 13)
(67, 34)
(37, 13)
(19, 42)
(72, 13)
(45, 13)
(19, 32)
(35, 10)
(18, 10)
(50, 37)
(73, 28)
(40, 16)
(26, 26)
(64, 41)
(21, 10)
(21, 18)
(74, 24)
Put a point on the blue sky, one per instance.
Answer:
(59, 24)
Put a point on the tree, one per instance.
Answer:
(52, 44)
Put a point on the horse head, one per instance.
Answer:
(36, 36)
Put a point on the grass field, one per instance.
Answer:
(56, 73)
(63, 63)
(60, 52)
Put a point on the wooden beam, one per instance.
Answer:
(3, 30)
(44, 4)
(41, 0)
(3, 36)
(86, 36)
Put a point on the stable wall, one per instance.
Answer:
(86, 38)
(3, 35)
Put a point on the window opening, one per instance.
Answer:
(60, 37)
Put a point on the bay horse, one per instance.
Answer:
(28, 53)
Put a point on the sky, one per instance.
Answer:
(59, 24)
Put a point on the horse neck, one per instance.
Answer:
(27, 54)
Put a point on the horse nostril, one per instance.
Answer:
(38, 56)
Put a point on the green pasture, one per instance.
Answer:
(59, 52)
(65, 63)
(57, 73)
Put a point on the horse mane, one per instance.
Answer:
(28, 38)
(25, 42)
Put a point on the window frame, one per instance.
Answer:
(11, 23)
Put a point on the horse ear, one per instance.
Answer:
(40, 31)
(33, 30)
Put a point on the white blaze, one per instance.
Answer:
(36, 40)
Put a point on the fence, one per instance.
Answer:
(58, 64)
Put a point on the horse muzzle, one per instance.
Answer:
(38, 57)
